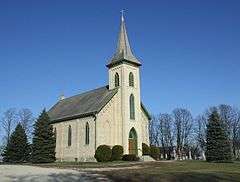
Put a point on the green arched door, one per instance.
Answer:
(132, 142)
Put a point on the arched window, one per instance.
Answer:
(69, 135)
(116, 80)
(131, 79)
(132, 107)
(87, 134)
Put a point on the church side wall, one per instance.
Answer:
(145, 130)
(78, 151)
(109, 123)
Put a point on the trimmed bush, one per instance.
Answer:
(103, 153)
(130, 157)
(145, 149)
(154, 152)
(117, 153)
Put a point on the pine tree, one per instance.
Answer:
(18, 148)
(218, 145)
(43, 145)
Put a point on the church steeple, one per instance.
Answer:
(123, 52)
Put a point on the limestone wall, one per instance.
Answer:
(145, 129)
(109, 123)
(125, 91)
(78, 151)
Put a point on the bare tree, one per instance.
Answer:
(8, 123)
(230, 117)
(153, 131)
(227, 115)
(180, 130)
(26, 119)
(236, 136)
(201, 122)
(200, 135)
(165, 128)
(201, 127)
(183, 122)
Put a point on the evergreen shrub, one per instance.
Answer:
(130, 157)
(145, 149)
(103, 153)
(154, 152)
(117, 153)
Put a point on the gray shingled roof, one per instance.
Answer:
(123, 52)
(87, 103)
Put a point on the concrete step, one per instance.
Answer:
(146, 158)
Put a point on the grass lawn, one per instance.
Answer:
(88, 165)
(178, 171)
(160, 171)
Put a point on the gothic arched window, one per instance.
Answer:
(132, 107)
(87, 134)
(131, 79)
(116, 80)
(69, 136)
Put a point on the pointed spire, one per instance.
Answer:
(123, 51)
(123, 46)
(122, 18)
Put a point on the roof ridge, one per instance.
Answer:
(105, 95)
(79, 105)
(86, 92)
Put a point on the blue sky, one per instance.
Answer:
(190, 51)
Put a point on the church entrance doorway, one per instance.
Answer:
(132, 142)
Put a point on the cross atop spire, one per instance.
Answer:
(122, 18)
(123, 51)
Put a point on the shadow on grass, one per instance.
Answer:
(58, 177)
(174, 177)
(207, 177)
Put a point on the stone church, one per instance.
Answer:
(111, 115)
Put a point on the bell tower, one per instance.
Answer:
(124, 74)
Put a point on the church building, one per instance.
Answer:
(110, 115)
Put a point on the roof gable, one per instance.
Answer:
(146, 112)
(87, 103)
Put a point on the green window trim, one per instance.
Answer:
(69, 136)
(132, 107)
(87, 134)
(132, 134)
(131, 79)
(116, 78)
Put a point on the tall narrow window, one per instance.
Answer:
(131, 79)
(87, 134)
(116, 80)
(132, 107)
(69, 135)
(55, 136)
